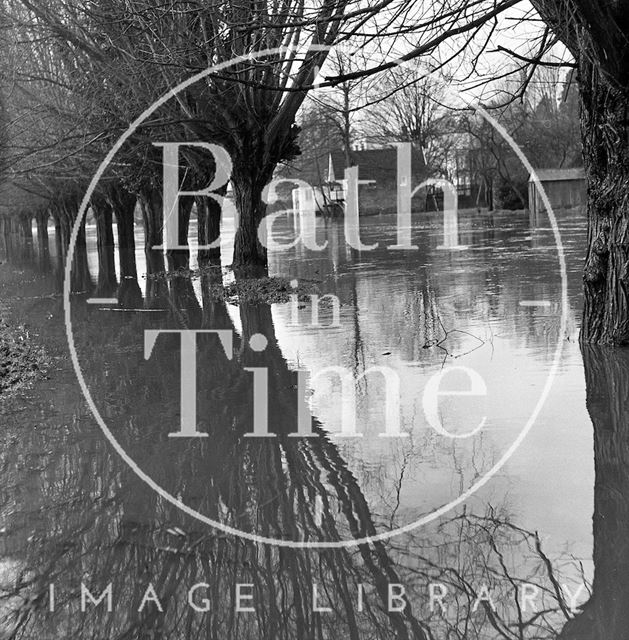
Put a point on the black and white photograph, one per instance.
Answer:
(314, 320)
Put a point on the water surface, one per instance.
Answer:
(73, 511)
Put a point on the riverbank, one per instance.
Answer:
(21, 360)
(23, 357)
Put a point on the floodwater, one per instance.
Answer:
(498, 448)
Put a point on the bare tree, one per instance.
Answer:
(341, 106)
(251, 108)
(407, 107)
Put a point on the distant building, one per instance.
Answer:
(564, 188)
(377, 173)
(369, 143)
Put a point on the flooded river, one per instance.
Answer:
(461, 445)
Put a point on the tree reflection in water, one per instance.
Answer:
(77, 514)
(606, 614)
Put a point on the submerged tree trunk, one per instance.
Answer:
(58, 240)
(43, 246)
(107, 282)
(152, 218)
(184, 302)
(81, 281)
(123, 206)
(63, 226)
(209, 229)
(605, 616)
(26, 229)
(180, 258)
(3, 245)
(605, 114)
(250, 255)
(6, 234)
(9, 240)
(64, 214)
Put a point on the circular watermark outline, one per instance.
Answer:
(296, 544)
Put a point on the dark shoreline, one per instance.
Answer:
(23, 358)
(22, 361)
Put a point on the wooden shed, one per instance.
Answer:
(564, 188)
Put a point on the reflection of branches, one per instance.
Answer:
(97, 523)
(605, 615)
(488, 550)
(94, 538)
(398, 488)
(446, 334)
(264, 486)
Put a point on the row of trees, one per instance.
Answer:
(74, 74)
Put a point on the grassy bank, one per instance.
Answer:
(265, 290)
(21, 361)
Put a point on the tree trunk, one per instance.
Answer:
(605, 134)
(209, 230)
(65, 228)
(81, 281)
(5, 225)
(180, 258)
(107, 282)
(152, 218)
(26, 229)
(65, 216)
(605, 616)
(58, 238)
(123, 206)
(250, 256)
(43, 246)
(184, 302)
(597, 35)
(54, 211)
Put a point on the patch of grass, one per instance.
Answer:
(261, 290)
(210, 270)
(268, 290)
(21, 361)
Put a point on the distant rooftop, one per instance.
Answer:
(555, 175)
(374, 164)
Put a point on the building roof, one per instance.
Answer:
(556, 175)
(374, 164)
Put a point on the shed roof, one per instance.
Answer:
(555, 175)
